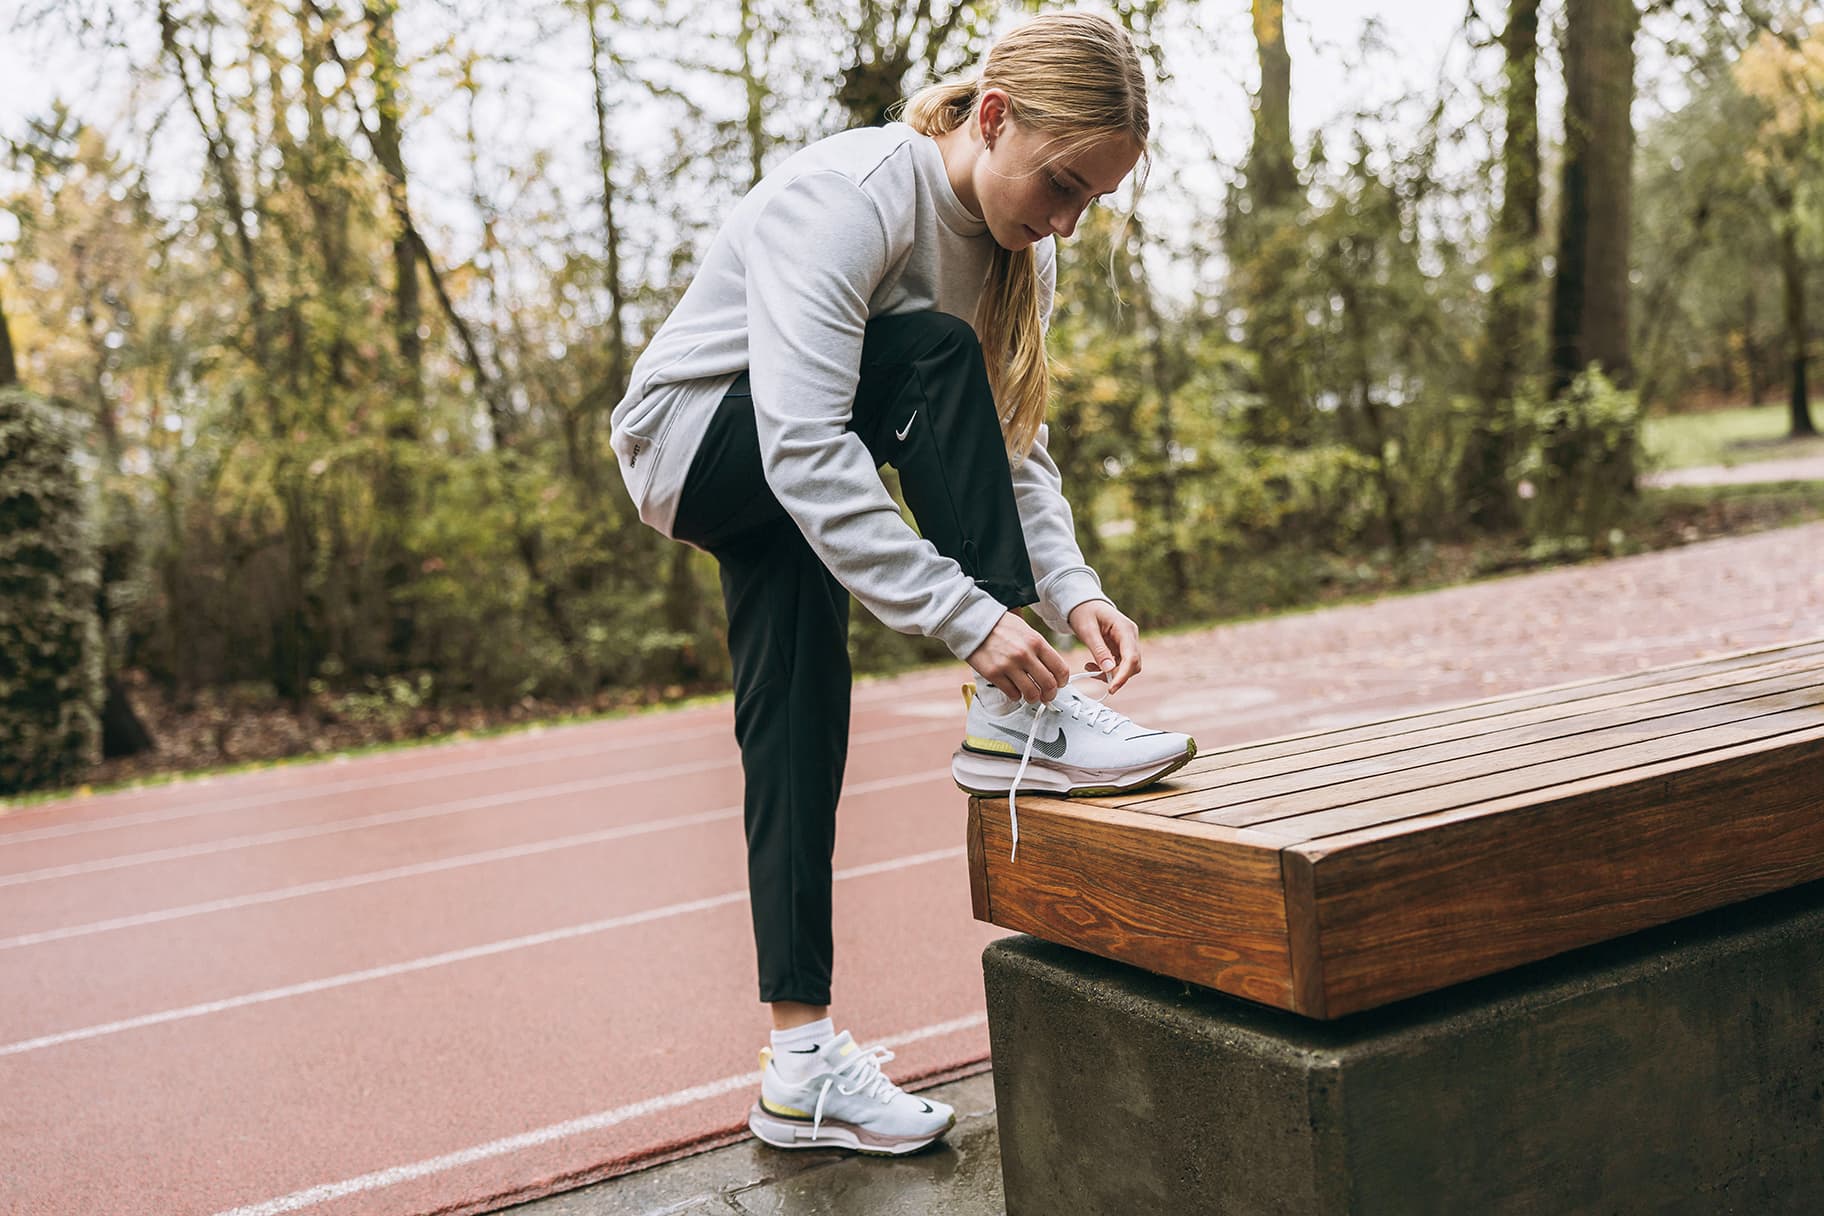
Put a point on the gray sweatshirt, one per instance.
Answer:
(858, 225)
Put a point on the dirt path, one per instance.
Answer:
(1802, 468)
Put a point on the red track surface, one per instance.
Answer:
(442, 979)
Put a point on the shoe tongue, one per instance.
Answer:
(840, 1046)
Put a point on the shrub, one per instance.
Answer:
(1580, 455)
(50, 639)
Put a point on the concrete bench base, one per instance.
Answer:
(1678, 1070)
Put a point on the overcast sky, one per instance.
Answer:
(541, 102)
(1321, 32)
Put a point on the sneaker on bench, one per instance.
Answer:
(843, 1100)
(1075, 746)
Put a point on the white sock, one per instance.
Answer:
(789, 1054)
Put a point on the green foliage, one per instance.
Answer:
(593, 616)
(1581, 457)
(382, 482)
(50, 644)
(1254, 524)
(387, 702)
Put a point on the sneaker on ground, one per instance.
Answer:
(845, 1101)
(1075, 746)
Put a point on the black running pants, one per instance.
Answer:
(788, 617)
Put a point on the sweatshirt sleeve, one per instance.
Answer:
(1062, 577)
(817, 251)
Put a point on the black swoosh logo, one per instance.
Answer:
(1052, 750)
(929, 1109)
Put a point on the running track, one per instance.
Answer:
(444, 979)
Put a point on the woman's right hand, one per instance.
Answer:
(1017, 659)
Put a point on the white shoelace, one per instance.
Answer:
(1098, 716)
(863, 1068)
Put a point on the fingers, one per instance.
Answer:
(1094, 621)
(1018, 661)
(1031, 687)
(1104, 659)
(1055, 666)
(1041, 669)
(1126, 643)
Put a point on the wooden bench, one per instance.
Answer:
(1336, 871)
(1646, 1035)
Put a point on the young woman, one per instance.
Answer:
(881, 298)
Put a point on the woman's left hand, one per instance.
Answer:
(1113, 641)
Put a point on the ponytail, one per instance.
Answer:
(1071, 75)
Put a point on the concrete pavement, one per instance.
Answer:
(958, 1176)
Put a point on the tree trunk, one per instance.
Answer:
(403, 414)
(1271, 177)
(1590, 297)
(122, 733)
(611, 240)
(1797, 336)
(388, 141)
(1750, 354)
(1268, 254)
(9, 370)
(1513, 302)
(1355, 320)
(757, 94)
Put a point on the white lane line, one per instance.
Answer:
(282, 835)
(506, 853)
(385, 818)
(446, 958)
(556, 1131)
(594, 747)
(277, 797)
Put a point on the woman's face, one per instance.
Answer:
(1021, 197)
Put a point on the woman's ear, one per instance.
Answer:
(991, 114)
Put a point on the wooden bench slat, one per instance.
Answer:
(1459, 782)
(1447, 741)
(1808, 742)
(1441, 764)
(1474, 714)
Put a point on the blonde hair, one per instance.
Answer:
(1077, 78)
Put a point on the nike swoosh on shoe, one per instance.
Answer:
(1051, 749)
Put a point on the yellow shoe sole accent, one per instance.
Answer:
(1094, 791)
(784, 1112)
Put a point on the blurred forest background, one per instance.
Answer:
(290, 458)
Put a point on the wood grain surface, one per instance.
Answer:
(1183, 899)
(1343, 869)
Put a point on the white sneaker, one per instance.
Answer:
(844, 1101)
(1073, 746)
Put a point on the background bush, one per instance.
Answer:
(50, 642)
